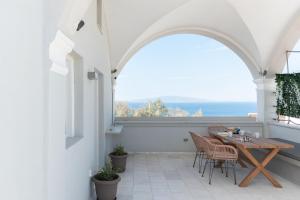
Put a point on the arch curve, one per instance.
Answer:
(222, 38)
(287, 41)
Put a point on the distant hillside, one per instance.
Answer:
(172, 99)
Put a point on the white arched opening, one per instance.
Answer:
(226, 78)
(226, 40)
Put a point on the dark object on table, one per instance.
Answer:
(236, 131)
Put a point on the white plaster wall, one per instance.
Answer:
(69, 169)
(266, 20)
(54, 158)
(81, 158)
(22, 116)
(168, 136)
(35, 165)
(281, 131)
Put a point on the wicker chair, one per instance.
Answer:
(216, 152)
(200, 149)
(220, 128)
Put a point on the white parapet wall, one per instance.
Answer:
(170, 134)
(284, 131)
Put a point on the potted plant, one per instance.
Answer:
(118, 158)
(106, 183)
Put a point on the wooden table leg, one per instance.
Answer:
(241, 162)
(259, 167)
(245, 159)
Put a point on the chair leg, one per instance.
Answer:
(200, 161)
(195, 159)
(226, 166)
(221, 166)
(204, 167)
(234, 173)
(211, 171)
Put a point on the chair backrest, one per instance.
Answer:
(197, 141)
(217, 151)
(209, 147)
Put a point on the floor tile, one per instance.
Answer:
(172, 177)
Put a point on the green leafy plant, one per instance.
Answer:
(152, 109)
(288, 94)
(107, 173)
(119, 151)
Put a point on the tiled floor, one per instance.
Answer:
(172, 177)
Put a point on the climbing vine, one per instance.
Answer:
(288, 94)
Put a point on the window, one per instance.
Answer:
(74, 99)
(185, 75)
(70, 100)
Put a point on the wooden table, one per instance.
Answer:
(272, 146)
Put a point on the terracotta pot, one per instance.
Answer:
(106, 190)
(118, 162)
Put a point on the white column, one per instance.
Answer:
(266, 100)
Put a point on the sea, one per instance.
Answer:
(209, 109)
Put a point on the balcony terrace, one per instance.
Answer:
(171, 176)
(61, 60)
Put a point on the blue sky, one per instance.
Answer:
(186, 65)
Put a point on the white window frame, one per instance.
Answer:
(74, 99)
(70, 99)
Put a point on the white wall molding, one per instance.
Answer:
(265, 84)
(186, 121)
(59, 48)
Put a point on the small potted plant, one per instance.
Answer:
(106, 183)
(118, 158)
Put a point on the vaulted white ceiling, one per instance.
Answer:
(259, 31)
